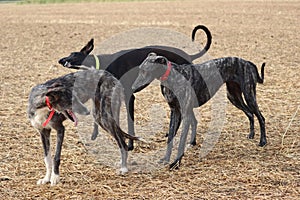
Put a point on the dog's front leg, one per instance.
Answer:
(174, 125)
(186, 124)
(45, 137)
(55, 178)
(130, 120)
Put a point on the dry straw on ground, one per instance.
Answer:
(34, 37)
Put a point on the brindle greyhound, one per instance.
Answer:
(56, 100)
(124, 66)
(194, 85)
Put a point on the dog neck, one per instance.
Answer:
(165, 76)
(52, 111)
(91, 61)
(97, 61)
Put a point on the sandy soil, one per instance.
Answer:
(34, 37)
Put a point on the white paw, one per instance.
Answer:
(54, 179)
(123, 170)
(43, 181)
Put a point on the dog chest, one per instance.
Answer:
(39, 118)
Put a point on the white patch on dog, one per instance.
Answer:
(39, 118)
(55, 178)
(123, 170)
(48, 163)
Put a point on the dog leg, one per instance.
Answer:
(124, 155)
(174, 125)
(234, 95)
(95, 132)
(194, 129)
(96, 128)
(55, 178)
(45, 137)
(186, 124)
(124, 152)
(261, 119)
(130, 121)
(251, 101)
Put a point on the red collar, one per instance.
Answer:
(52, 111)
(167, 73)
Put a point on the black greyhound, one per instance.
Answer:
(123, 65)
(194, 85)
(56, 100)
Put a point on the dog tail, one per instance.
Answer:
(260, 79)
(208, 42)
(126, 135)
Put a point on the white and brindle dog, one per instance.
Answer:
(194, 85)
(56, 100)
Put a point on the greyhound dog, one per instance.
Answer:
(124, 66)
(56, 100)
(194, 85)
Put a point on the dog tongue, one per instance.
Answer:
(73, 117)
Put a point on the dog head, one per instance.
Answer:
(76, 59)
(153, 67)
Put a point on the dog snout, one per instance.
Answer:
(63, 62)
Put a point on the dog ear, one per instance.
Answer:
(54, 91)
(88, 47)
(152, 54)
(161, 60)
(53, 95)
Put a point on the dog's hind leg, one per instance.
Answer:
(234, 94)
(250, 97)
(194, 129)
(124, 155)
(186, 124)
(123, 149)
(45, 137)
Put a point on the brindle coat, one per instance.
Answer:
(66, 95)
(194, 85)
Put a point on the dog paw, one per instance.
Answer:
(130, 146)
(251, 136)
(262, 143)
(189, 146)
(43, 181)
(175, 165)
(54, 179)
(123, 170)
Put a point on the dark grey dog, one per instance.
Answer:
(56, 100)
(194, 85)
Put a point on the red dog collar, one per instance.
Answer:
(51, 113)
(167, 73)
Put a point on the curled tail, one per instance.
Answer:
(260, 79)
(208, 42)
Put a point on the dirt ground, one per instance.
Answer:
(34, 37)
